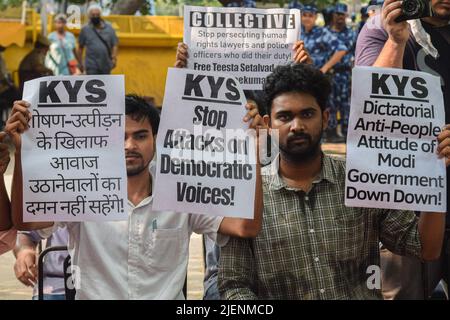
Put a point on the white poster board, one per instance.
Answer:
(245, 42)
(205, 157)
(392, 163)
(73, 157)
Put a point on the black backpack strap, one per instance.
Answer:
(103, 41)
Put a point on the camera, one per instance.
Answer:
(415, 9)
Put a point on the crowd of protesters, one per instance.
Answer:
(303, 242)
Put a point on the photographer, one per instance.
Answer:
(414, 35)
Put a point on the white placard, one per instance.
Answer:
(392, 163)
(73, 154)
(205, 158)
(245, 42)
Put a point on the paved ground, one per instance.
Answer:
(10, 288)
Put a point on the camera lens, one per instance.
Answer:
(414, 9)
(411, 7)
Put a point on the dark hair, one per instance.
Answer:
(258, 97)
(138, 109)
(60, 18)
(39, 45)
(300, 78)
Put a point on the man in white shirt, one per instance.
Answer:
(146, 256)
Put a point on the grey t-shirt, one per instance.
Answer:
(97, 58)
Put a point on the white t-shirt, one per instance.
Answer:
(144, 257)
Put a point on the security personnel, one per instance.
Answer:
(241, 3)
(327, 14)
(323, 46)
(364, 17)
(295, 4)
(342, 70)
(325, 50)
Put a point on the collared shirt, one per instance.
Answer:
(311, 246)
(7, 240)
(321, 44)
(144, 257)
(348, 37)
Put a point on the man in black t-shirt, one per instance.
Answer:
(386, 43)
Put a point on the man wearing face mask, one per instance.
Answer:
(100, 41)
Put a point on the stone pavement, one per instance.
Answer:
(10, 288)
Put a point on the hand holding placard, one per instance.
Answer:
(395, 122)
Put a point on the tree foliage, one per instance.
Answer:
(132, 6)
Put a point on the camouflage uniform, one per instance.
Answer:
(321, 44)
(342, 79)
(295, 5)
(245, 4)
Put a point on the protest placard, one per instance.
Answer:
(73, 157)
(245, 42)
(395, 118)
(205, 157)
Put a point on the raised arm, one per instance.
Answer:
(16, 125)
(248, 228)
(391, 56)
(301, 55)
(182, 56)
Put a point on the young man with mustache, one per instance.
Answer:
(311, 245)
(255, 102)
